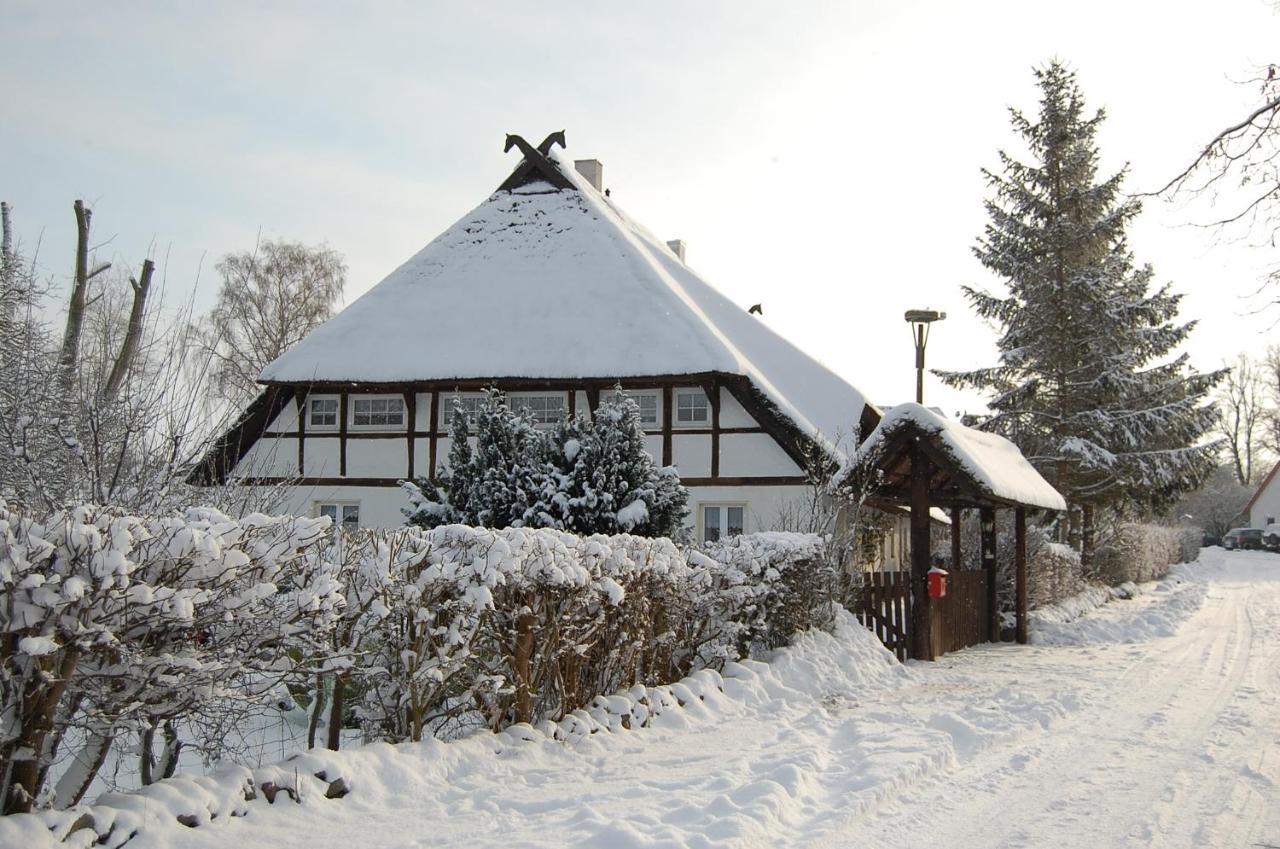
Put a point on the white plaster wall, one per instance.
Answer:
(376, 458)
(287, 419)
(379, 505)
(653, 445)
(753, 454)
(421, 456)
(763, 503)
(691, 455)
(732, 413)
(269, 458)
(422, 411)
(1267, 505)
(320, 458)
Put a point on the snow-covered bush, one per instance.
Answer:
(767, 587)
(588, 475)
(1143, 552)
(114, 622)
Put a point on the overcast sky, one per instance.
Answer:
(822, 159)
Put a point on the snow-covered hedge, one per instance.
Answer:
(1143, 552)
(457, 627)
(117, 624)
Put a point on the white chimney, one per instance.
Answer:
(592, 170)
(677, 247)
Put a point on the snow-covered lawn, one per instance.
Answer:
(1151, 721)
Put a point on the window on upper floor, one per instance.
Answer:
(692, 408)
(470, 405)
(650, 406)
(378, 412)
(546, 410)
(322, 412)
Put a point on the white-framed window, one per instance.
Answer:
(470, 404)
(692, 408)
(546, 409)
(721, 520)
(344, 513)
(377, 412)
(650, 404)
(322, 412)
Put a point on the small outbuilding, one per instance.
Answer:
(923, 460)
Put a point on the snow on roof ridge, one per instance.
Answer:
(473, 303)
(994, 462)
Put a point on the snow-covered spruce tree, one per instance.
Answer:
(1089, 383)
(606, 482)
(494, 483)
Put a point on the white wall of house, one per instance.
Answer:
(381, 453)
(1265, 509)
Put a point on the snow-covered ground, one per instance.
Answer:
(1146, 722)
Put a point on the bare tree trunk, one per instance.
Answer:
(84, 767)
(172, 749)
(6, 235)
(20, 758)
(141, 288)
(336, 707)
(146, 755)
(521, 663)
(317, 708)
(1086, 539)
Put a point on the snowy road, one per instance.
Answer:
(1176, 742)
(1151, 722)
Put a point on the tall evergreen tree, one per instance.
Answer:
(1089, 383)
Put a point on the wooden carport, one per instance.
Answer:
(922, 460)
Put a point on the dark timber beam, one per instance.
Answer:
(987, 528)
(956, 548)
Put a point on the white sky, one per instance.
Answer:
(820, 158)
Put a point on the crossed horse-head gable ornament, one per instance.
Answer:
(536, 165)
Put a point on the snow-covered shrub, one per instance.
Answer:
(115, 622)
(588, 475)
(1143, 552)
(767, 587)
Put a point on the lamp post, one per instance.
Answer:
(920, 321)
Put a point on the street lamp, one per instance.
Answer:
(920, 321)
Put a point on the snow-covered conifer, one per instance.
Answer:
(1089, 383)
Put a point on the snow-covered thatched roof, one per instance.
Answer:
(560, 284)
(992, 464)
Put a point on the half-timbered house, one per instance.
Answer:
(550, 292)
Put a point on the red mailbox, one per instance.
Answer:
(937, 583)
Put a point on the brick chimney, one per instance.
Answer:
(593, 170)
(677, 247)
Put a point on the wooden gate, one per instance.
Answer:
(959, 619)
(885, 608)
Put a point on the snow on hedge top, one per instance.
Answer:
(992, 461)
(539, 283)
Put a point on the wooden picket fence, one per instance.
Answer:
(884, 606)
(959, 619)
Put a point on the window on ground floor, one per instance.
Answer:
(344, 513)
(721, 520)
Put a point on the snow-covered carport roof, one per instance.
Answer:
(967, 467)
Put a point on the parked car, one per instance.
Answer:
(1242, 538)
(1207, 539)
(1271, 537)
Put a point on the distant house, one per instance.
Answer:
(1264, 507)
(549, 291)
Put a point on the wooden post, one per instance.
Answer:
(713, 397)
(433, 429)
(302, 402)
(921, 618)
(342, 434)
(410, 425)
(666, 425)
(956, 552)
(1020, 573)
(987, 520)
